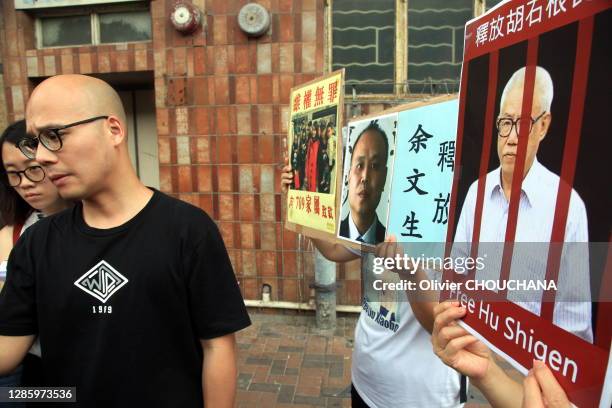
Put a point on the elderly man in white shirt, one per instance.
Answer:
(537, 202)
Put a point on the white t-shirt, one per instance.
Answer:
(393, 361)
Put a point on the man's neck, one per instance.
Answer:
(55, 207)
(362, 224)
(506, 181)
(116, 205)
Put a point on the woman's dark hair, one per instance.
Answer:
(13, 208)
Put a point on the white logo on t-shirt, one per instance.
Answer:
(102, 281)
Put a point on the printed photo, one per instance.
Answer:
(368, 161)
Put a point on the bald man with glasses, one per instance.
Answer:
(131, 292)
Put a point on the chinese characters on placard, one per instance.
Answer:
(446, 160)
(311, 204)
(303, 101)
(521, 16)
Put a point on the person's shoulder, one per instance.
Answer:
(576, 203)
(183, 213)
(473, 189)
(6, 232)
(58, 221)
(6, 241)
(46, 228)
(545, 176)
(551, 179)
(553, 183)
(180, 206)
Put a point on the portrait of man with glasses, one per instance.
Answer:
(537, 203)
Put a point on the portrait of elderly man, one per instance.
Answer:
(536, 212)
(366, 183)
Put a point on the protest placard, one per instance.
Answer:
(314, 152)
(528, 194)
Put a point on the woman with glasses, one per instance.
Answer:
(26, 195)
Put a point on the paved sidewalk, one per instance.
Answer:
(285, 361)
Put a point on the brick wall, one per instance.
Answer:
(221, 107)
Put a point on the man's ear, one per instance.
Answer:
(117, 130)
(546, 120)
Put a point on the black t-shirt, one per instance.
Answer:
(120, 312)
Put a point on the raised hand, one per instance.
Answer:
(541, 389)
(455, 346)
(286, 178)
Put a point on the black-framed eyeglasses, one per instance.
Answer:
(33, 173)
(50, 138)
(505, 125)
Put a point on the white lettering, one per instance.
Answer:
(568, 362)
(377, 266)
(539, 349)
(554, 359)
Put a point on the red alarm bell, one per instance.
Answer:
(185, 17)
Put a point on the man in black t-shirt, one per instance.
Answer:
(131, 292)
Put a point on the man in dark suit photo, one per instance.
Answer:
(366, 182)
